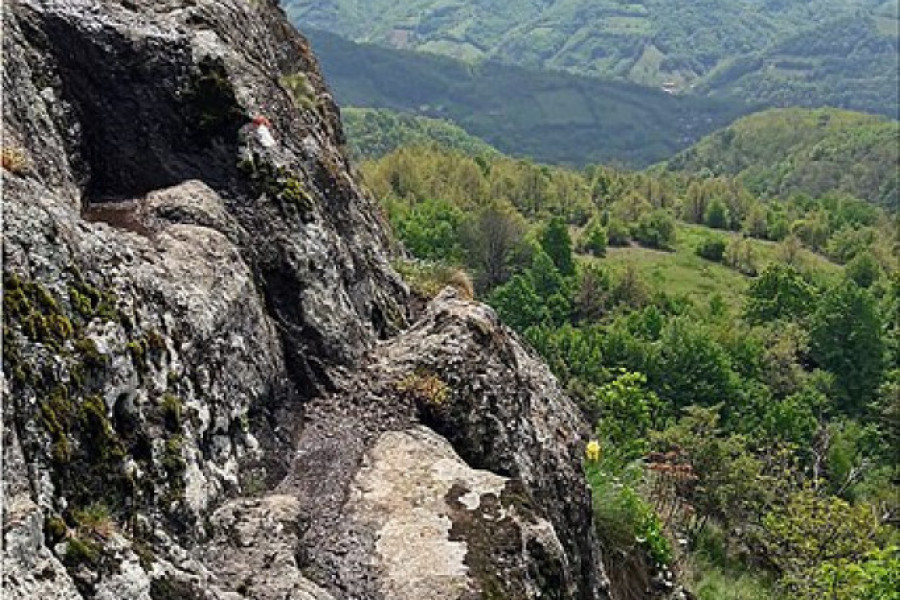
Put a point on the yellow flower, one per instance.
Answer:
(593, 451)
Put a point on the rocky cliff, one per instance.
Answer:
(212, 384)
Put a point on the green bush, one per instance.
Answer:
(656, 230)
(712, 249)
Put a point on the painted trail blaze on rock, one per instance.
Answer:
(203, 340)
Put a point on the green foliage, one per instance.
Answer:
(373, 133)
(617, 232)
(785, 151)
(594, 239)
(743, 409)
(845, 339)
(301, 90)
(780, 293)
(552, 116)
(430, 229)
(623, 519)
(210, 98)
(427, 279)
(716, 215)
(693, 367)
(809, 535)
(518, 304)
(557, 244)
(712, 249)
(875, 577)
(627, 410)
(863, 270)
(171, 411)
(656, 230)
(824, 52)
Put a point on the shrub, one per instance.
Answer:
(94, 521)
(617, 233)
(656, 230)
(427, 279)
(300, 89)
(712, 249)
(425, 387)
(594, 239)
(716, 215)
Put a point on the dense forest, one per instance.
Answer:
(821, 52)
(737, 353)
(549, 116)
(372, 133)
(781, 152)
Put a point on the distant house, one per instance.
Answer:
(670, 87)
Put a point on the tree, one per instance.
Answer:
(712, 249)
(846, 339)
(430, 230)
(741, 256)
(780, 292)
(517, 304)
(693, 367)
(617, 232)
(693, 207)
(627, 411)
(545, 277)
(864, 270)
(716, 215)
(656, 230)
(557, 244)
(594, 239)
(592, 294)
(810, 529)
(491, 238)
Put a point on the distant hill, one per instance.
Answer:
(815, 52)
(553, 117)
(849, 63)
(372, 133)
(782, 151)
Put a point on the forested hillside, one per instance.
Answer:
(820, 52)
(782, 152)
(738, 355)
(849, 63)
(372, 133)
(551, 116)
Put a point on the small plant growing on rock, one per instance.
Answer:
(427, 279)
(94, 521)
(301, 90)
(14, 160)
(425, 387)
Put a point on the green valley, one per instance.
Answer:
(822, 52)
(552, 117)
(735, 352)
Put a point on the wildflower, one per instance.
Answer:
(592, 452)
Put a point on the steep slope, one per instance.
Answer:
(549, 116)
(653, 42)
(780, 152)
(210, 390)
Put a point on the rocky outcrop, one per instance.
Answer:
(210, 386)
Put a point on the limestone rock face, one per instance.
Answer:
(210, 387)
